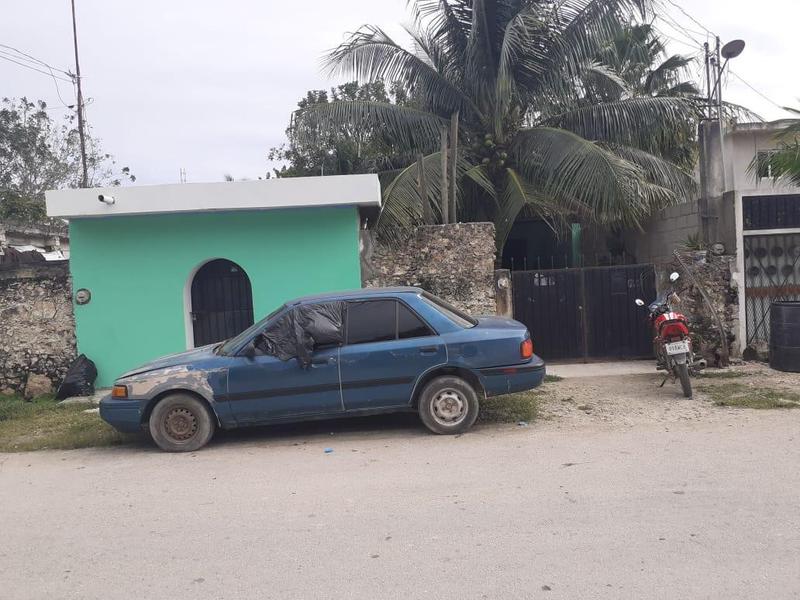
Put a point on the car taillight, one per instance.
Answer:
(526, 348)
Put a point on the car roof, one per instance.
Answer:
(356, 294)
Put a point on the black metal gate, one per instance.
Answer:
(222, 302)
(772, 273)
(587, 312)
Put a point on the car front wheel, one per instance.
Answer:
(448, 405)
(181, 423)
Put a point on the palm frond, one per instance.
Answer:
(587, 178)
(407, 128)
(659, 171)
(640, 121)
(517, 195)
(371, 55)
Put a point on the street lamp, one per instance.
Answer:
(730, 50)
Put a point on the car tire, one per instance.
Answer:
(448, 405)
(181, 423)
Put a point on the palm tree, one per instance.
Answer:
(785, 162)
(509, 79)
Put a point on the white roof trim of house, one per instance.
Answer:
(291, 192)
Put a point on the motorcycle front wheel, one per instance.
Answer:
(683, 375)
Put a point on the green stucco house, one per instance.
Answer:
(164, 268)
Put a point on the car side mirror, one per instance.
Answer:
(674, 277)
(249, 351)
(639, 302)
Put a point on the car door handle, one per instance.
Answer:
(325, 361)
(428, 350)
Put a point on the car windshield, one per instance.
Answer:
(236, 341)
(459, 317)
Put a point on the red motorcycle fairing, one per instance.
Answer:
(671, 325)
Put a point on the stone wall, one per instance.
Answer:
(37, 330)
(454, 262)
(713, 273)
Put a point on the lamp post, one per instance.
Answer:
(712, 157)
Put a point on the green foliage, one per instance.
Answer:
(694, 243)
(38, 153)
(784, 163)
(340, 150)
(744, 396)
(44, 424)
(510, 408)
(545, 127)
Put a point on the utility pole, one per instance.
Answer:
(81, 124)
(716, 220)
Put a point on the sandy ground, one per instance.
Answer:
(643, 495)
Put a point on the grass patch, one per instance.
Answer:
(43, 424)
(510, 408)
(723, 374)
(736, 394)
(552, 378)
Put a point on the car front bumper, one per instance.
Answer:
(122, 414)
(513, 378)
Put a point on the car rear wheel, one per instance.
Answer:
(181, 423)
(448, 405)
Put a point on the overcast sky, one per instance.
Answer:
(209, 86)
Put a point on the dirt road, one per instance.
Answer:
(674, 507)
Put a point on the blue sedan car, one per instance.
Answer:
(346, 354)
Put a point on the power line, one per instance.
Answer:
(742, 79)
(33, 58)
(695, 21)
(739, 77)
(32, 68)
(680, 29)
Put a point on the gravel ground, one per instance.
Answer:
(631, 400)
(645, 495)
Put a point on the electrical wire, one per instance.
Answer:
(753, 88)
(695, 21)
(32, 68)
(35, 64)
(739, 77)
(35, 60)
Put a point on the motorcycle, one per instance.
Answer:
(672, 343)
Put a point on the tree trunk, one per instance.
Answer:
(445, 204)
(427, 213)
(453, 163)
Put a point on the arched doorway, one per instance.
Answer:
(222, 302)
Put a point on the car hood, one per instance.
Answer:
(173, 360)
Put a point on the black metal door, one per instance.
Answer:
(222, 302)
(586, 313)
(616, 327)
(548, 303)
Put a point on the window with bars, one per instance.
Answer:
(771, 212)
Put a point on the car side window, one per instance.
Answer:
(409, 325)
(371, 321)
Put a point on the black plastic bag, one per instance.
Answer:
(306, 327)
(79, 380)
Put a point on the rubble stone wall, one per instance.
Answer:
(37, 329)
(454, 262)
(714, 274)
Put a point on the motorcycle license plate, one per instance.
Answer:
(677, 347)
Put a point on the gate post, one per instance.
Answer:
(503, 294)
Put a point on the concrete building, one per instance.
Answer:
(751, 215)
(49, 241)
(165, 268)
